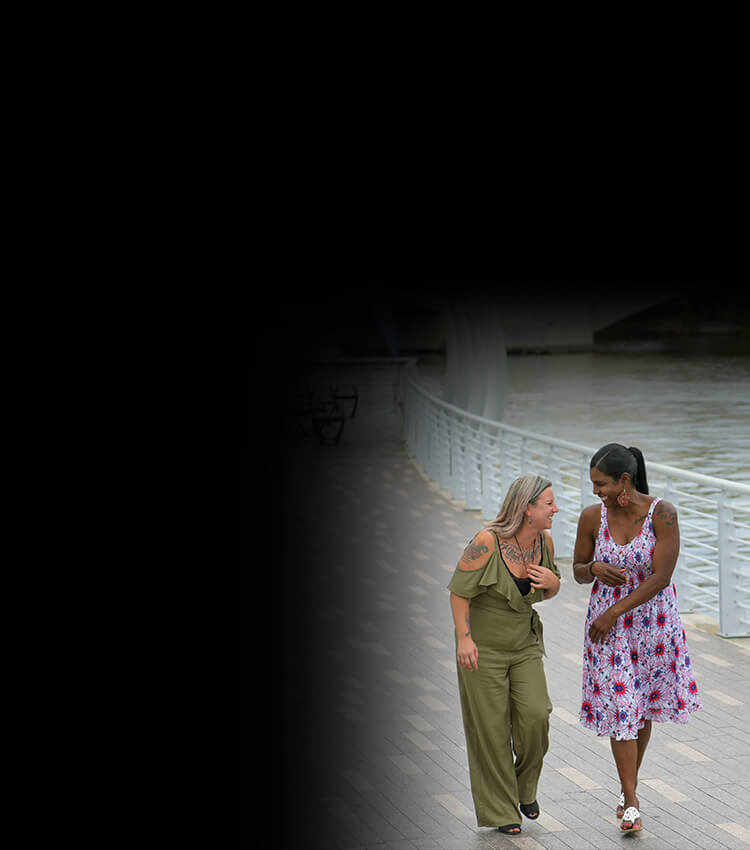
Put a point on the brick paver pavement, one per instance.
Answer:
(376, 755)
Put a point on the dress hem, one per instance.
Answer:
(631, 735)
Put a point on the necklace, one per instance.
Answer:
(520, 552)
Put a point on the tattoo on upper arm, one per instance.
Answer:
(667, 514)
(472, 553)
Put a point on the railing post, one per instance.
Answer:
(458, 483)
(414, 405)
(490, 455)
(420, 431)
(472, 483)
(450, 429)
(408, 420)
(558, 532)
(444, 458)
(460, 472)
(432, 452)
(729, 610)
(451, 446)
(684, 595)
(504, 464)
(435, 451)
(483, 483)
(585, 481)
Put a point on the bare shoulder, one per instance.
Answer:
(485, 536)
(590, 517)
(477, 553)
(665, 515)
(588, 526)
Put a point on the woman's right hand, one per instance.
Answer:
(608, 574)
(468, 654)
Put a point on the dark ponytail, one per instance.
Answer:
(640, 482)
(613, 460)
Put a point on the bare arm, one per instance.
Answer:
(475, 557)
(585, 568)
(583, 552)
(461, 618)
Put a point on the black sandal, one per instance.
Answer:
(507, 829)
(531, 810)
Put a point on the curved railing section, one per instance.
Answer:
(475, 460)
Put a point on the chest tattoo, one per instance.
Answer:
(522, 556)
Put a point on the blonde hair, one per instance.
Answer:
(522, 492)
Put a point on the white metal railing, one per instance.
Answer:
(476, 459)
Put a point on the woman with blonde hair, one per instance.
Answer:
(505, 569)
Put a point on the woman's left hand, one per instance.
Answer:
(601, 626)
(543, 578)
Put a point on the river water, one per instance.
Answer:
(688, 411)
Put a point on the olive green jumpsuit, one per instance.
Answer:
(505, 703)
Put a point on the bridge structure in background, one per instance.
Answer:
(568, 322)
(480, 328)
(561, 317)
(475, 458)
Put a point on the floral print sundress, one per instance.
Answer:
(642, 671)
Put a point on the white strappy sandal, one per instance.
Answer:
(620, 804)
(631, 814)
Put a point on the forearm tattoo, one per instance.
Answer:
(468, 626)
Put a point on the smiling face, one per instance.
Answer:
(606, 488)
(542, 510)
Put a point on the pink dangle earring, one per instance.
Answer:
(623, 498)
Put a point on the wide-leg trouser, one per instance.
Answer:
(506, 710)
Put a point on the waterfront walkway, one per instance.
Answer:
(378, 543)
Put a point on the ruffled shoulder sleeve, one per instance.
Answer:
(471, 583)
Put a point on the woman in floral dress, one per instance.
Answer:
(636, 664)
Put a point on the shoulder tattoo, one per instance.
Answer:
(666, 513)
(473, 552)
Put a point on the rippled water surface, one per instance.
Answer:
(692, 412)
